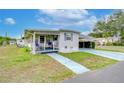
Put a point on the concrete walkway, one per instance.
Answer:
(74, 66)
(113, 55)
(110, 74)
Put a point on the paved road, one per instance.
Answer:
(110, 74)
(113, 55)
(70, 64)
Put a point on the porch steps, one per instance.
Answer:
(70, 64)
(47, 51)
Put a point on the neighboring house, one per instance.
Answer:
(20, 42)
(41, 41)
(100, 41)
(104, 41)
(12, 42)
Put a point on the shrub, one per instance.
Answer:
(93, 44)
(109, 44)
(122, 42)
(117, 43)
(27, 49)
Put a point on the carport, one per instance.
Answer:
(86, 42)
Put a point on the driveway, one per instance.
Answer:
(110, 74)
(113, 55)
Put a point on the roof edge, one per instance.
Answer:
(51, 30)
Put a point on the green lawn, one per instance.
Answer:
(111, 48)
(91, 61)
(17, 65)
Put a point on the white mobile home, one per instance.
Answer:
(41, 41)
(20, 42)
(12, 42)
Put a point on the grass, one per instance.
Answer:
(91, 61)
(17, 65)
(111, 48)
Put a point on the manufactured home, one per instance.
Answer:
(20, 42)
(12, 42)
(42, 41)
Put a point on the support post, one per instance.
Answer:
(34, 45)
(83, 44)
(53, 42)
(91, 44)
(44, 42)
(53, 45)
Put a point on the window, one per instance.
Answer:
(68, 36)
(41, 39)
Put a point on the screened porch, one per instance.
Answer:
(45, 43)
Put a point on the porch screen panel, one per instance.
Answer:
(41, 39)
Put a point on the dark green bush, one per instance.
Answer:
(93, 44)
(27, 49)
(109, 44)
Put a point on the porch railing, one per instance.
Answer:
(43, 47)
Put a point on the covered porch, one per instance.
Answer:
(45, 42)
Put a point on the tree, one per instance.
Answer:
(110, 26)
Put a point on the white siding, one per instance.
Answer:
(72, 45)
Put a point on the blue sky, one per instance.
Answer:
(14, 22)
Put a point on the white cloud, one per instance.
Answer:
(90, 22)
(9, 21)
(64, 13)
(67, 17)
